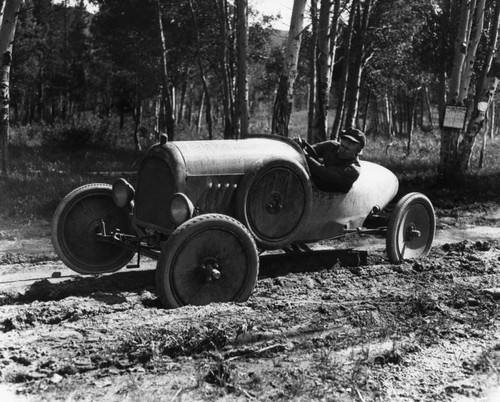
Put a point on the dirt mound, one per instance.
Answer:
(316, 328)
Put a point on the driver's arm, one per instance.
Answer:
(322, 147)
(339, 175)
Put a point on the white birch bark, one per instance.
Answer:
(471, 53)
(460, 51)
(7, 31)
(242, 79)
(485, 93)
(284, 98)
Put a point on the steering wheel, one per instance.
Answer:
(308, 149)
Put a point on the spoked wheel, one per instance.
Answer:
(411, 228)
(76, 223)
(211, 258)
(273, 201)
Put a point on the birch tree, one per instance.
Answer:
(359, 59)
(485, 92)
(449, 136)
(227, 92)
(323, 67)
(165, 95)
(312, 74)
(242, 79)
(9, 12)
(206, 92)
(341, 96)
(284, 98)
(456, 149)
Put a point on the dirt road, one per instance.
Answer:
(424, 330)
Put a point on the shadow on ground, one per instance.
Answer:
(271, 265)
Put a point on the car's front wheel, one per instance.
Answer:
(210, 258)
(76, 223)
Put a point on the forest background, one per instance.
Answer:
(90, 91)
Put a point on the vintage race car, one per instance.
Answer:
(207, 209)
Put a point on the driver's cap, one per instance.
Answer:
(354, 135)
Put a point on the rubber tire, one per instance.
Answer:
(179, 281)
(419, 206)
(76, 245)
(254, 175)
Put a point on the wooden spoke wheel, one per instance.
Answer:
(210, 258)
(411, 228)
(274, 201)
(75, 225)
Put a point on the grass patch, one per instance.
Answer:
(146, 344)
(47, 162)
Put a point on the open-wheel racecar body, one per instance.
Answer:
(206, 209)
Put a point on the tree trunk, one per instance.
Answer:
(208, 102)
(137, 122)
(449, 136)
(428, 106)
(242, 79)
(312, 72)
(485, 93)
(365, 113)
(361, 24)
(200, 113)
(157, 128)
(180, 112)
(411, 121)
(323, 68)
(443, 67)
(7, 32)
(492, 51)
(353, 92)
(393, 107)
(461, 45)
(388, 116)
(340, 111)
(441, 96)
(493, 119)
(400, 117)
(471, 53)
(167, 98)
(227, 101)
(483, 142)
(284, 98)
(477, 119)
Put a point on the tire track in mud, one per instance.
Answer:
(328, 331)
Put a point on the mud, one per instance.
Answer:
(423, 330)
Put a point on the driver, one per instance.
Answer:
(337, 166)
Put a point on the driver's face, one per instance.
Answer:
(348, 149)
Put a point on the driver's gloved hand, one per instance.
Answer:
(300, 141)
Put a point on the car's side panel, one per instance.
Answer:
(208, 158)
(213, 194)
(214, 169)
(332, 213)
(208, 172)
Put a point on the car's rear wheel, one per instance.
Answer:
(411, 228)
(274, 201)
(211, 258)
(76, 223)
